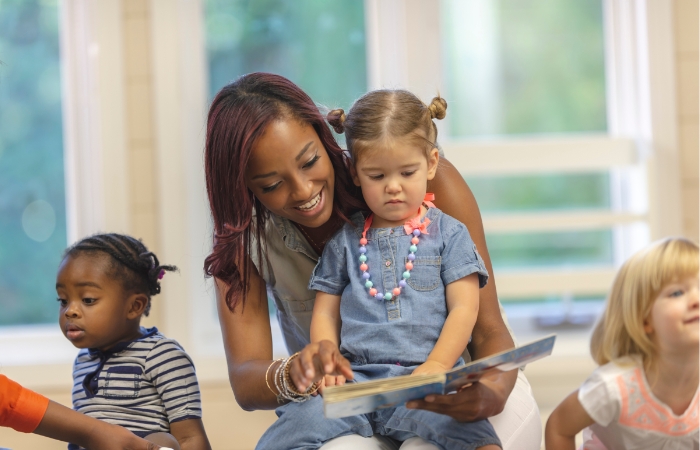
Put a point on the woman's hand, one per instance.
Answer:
(430, 367)
(315, 361)
(476, 401)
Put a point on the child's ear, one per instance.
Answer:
(353, 174)
(433, 159)
(136, 306)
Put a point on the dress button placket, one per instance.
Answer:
(387, 248)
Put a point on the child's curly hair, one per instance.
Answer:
(133, 264)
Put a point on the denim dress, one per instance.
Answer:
(388, 338)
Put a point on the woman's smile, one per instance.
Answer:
(290, 172)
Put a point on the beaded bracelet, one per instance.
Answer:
(267, 372)
(285, 385)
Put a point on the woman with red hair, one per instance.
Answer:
(279, 188)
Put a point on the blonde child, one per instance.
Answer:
(124, 373)
(644, 395)
(397, 289)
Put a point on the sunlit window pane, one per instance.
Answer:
(503, 194)
(524, 66)
(563, 249)
(320, 45)
(32, 202)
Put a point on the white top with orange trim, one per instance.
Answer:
(629, 416)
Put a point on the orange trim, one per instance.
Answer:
(20, 408)
(641, 411)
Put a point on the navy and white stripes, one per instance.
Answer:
(144, 385)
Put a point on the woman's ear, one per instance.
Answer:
(433, 159)
(136, 305)
(648, 327)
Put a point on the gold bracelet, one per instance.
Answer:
(267, 372)
(310, 390)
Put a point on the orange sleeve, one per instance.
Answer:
(20, 408)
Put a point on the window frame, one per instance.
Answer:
(641, 144)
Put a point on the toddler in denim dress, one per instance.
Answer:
(397, 288)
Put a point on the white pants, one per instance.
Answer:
(518, 427)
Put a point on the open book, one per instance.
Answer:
(360, 398)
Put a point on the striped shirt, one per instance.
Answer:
(142, 385)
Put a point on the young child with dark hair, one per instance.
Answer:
(124, 373)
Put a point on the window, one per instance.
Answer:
(32, 194)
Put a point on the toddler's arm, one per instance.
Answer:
(567, 420)
(190, 434)
(462, 310)
(325, 328)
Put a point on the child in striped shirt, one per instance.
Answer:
(124, 373)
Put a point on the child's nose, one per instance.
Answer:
(72, 310)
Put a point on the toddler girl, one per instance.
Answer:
(644, 395)
(125, 374)
(397, 289)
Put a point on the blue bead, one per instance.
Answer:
(379, 296)
(387, 296)
(411, 257)
(407, 274)
(363, 249)
(365, 275)
(416, 232)
(369, 284)
(411, 249)
(402, 283)
(363, 258)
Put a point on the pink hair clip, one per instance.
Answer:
(161, 274)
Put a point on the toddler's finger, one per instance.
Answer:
(306, 358)
(326, 352)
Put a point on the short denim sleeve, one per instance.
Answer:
(330, 274)
(460, 257)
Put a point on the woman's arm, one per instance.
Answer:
(248, 344)
(490, 335)
(565, 422)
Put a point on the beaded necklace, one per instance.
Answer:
(412, 226)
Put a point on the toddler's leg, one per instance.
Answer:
(438, 430)
(303, 426)
(163, 440)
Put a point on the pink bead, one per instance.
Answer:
(373, 292)
(409, 265)
(363, 241)
(363, 267)
(396, 292)
(415, 241)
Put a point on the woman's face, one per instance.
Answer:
(290, 173)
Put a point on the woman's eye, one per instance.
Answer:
(311, 162)
(267, 189)
(89, 301)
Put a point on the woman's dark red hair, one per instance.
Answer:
(238, 116)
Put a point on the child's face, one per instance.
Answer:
(94, 311)
(673, 322)
(394, 180)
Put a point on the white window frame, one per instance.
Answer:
(95, 153)
(640, 150)
(403, 42)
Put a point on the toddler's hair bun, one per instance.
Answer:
(336, 119)
(438, 108)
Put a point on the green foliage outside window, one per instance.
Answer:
(32, 195)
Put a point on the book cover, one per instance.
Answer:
(360, 398)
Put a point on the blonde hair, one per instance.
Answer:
(620, 331)
(384, 115)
